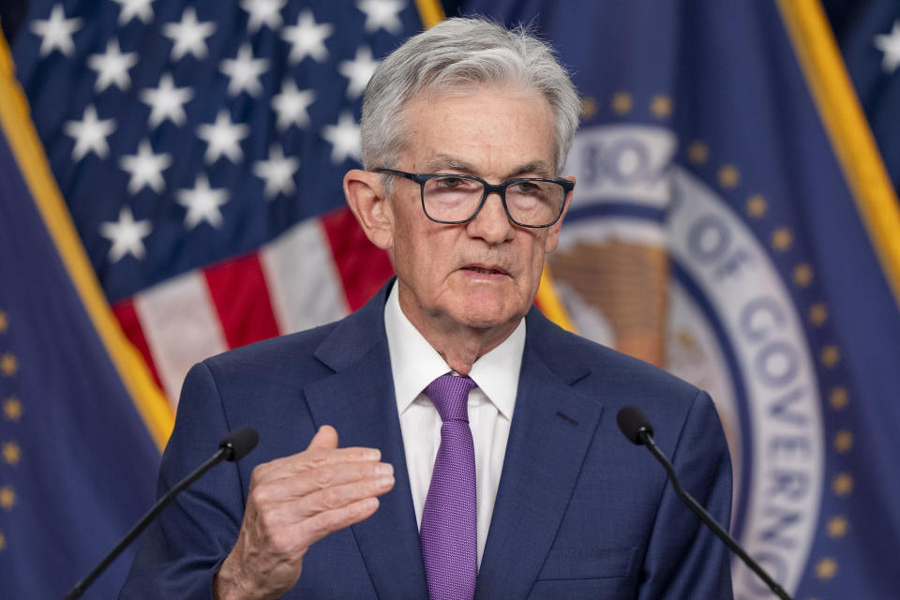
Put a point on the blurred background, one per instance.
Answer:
(170, 188)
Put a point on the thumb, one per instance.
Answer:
(325, 439)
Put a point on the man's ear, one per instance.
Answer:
(367, 199)
(552, 240)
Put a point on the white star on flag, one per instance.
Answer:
(131, 9)
(244, 72)
(223, 137)
(145, 169)
(112, 67)
(278, 172)
(382, 14)
(189, 36)
(291, 105)
(263, 12)
(202, 203)
(358, 71)
(56, 32)
(89, 134)
(890, 45)
(307, 38)
(166, 102)
(344, 138)
(127, 235)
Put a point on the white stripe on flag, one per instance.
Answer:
(304, 285)
(181, 325)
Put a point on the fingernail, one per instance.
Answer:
(384, 469)
(373, 454)
(384, 482)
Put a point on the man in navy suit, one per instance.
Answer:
(465, 129)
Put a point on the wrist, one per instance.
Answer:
(227, 582)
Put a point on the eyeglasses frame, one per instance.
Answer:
(499, 189)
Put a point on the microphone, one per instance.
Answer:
(233, 447)
(634, 424)
(238, 444)
(637, 428)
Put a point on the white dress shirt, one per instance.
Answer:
(415, 364)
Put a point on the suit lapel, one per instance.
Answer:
(358, 400)
(553, 426)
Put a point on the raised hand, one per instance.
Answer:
(294, 502)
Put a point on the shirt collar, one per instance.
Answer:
(415, 364)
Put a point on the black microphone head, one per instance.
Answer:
(633, 423)
(239, 443)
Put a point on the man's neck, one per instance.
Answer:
(460, 348)
(458, 345)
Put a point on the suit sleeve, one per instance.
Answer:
(684, 558)
(181, 551)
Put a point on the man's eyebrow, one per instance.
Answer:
(538, 167)
(443, 162)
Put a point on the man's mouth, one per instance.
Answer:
(483, 270)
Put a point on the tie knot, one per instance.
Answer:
(450, 396)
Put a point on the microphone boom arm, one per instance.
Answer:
(80, 587)
(232, 448)
(647, 440)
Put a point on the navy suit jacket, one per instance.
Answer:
(580, 511)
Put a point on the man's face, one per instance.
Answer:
(485, 273)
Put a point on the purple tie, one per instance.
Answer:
(448, 533)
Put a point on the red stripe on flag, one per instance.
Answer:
(239, 293)
(363, 267)
(131, 325)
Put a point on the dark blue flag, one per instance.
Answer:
(77, 456)
(733, 221)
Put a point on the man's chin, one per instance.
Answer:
(488, 313)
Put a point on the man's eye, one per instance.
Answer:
(451, 183)
(457, 184)
(527, 187)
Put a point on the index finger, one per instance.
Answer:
(307, 460)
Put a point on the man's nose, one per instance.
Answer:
(491, 223)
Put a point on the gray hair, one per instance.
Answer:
(458, 54)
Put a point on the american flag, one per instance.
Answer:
(200, 148)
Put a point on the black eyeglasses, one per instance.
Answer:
(454, 199)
